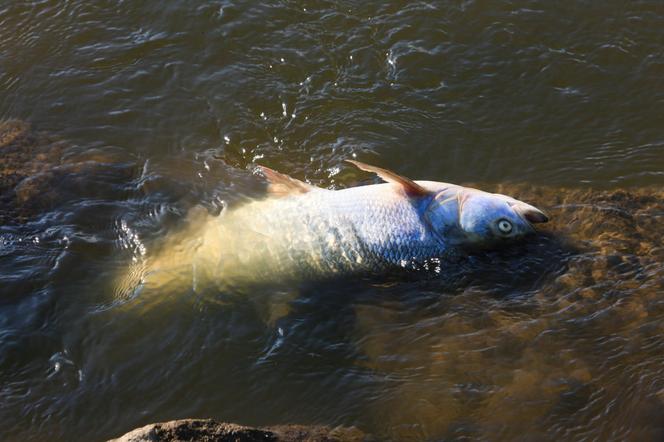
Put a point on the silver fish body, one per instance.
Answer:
(327, 232)
(314, 233)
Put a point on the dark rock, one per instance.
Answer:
(39, 172)
(23, 154)
(207, 430)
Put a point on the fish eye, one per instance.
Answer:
(504, 226)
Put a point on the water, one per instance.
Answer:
(145, 109)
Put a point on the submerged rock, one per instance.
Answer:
(24, 154)
(205, 430)
(546, 352)
(38, 171)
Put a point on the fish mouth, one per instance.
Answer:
(530, 213)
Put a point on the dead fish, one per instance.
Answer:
(300, 232)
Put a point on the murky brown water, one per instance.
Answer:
(136, 103)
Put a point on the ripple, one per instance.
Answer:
(563, 330)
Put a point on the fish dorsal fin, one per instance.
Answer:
(409, 186)
(281, 184)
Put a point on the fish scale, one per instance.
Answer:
(327, 232)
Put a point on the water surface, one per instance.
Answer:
(146, 109)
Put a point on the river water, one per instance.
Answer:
(142, 110)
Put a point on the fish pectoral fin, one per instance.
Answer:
(409, 186)
(280, 184)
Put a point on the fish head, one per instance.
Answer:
(474, 218)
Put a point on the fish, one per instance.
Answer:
(300, 232)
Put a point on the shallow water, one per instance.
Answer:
(145, 109)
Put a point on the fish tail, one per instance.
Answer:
(166, 269)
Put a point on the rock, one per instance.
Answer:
(207, 430)
(39, 172)
(23, 154)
